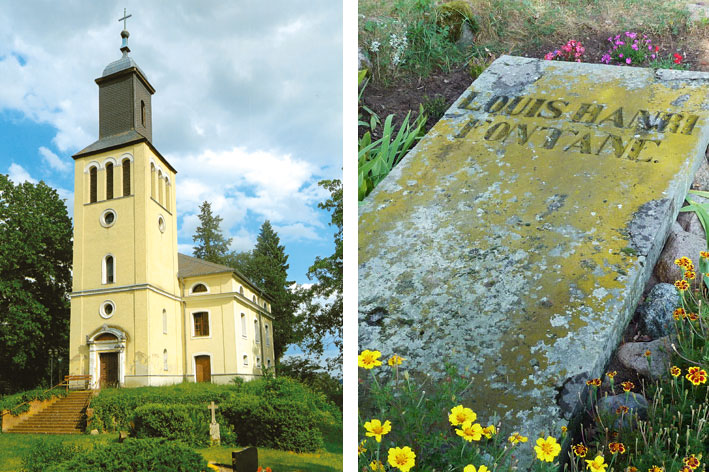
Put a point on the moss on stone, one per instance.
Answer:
(453, 15)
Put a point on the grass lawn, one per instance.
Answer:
(14, 446)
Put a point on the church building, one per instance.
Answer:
(142, 314)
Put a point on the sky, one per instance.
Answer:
(248, 107)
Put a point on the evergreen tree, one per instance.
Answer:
(322, 313)
(35, 277)
(266, 266)
(211, 245)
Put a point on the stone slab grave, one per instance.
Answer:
(245, 460)
(515, 239)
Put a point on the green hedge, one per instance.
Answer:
(290, 415)
(187, 423)
(276, 423)
(46, 451)
(133, 455)
(8, 402)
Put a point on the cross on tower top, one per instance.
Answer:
(125, 18)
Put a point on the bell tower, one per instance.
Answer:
(125, 241)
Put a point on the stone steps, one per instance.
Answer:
(65, 416)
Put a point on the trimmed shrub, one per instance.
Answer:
(10, 402)
(182, 422)
(276, 423)
(46, 451)
(134, 455)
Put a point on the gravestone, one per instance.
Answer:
(245, 460)
(214, 433)
(515, 239)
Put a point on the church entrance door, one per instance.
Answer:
(203, 369)
(109, 369)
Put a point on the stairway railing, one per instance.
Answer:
(64, 383)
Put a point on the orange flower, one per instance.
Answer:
(683, 261)
(688, 274)
(692, 462)
(675, 371)
(704, 254)
(693, 317)
(682, 285)
(580, 450)
(679, 313)
(627, 385)
(612, 374)
(616, 447)
(696, 375)
(594, 382)
(631, 468)
(621, 410)
(648, 353)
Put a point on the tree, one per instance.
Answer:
(35, 277)
(211, 246)
(314, 376)
(322, 312)
(267, 267)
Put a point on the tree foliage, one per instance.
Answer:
(322, 313)
(35, 277)
(267, 266)
(211, 245)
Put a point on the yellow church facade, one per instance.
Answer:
(142, 314)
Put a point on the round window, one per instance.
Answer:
(108, 217)
(107, 309)
(161, 224)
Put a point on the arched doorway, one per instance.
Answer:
(107, 357)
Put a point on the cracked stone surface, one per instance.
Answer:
(516, 238)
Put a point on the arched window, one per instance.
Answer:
(93, 185)
(109, 181)
(268, 363)
(200, 288)
(255, 299)
(167, 194)
(164, 359)
(258, 362)
(164, 321)
(257, 332)
(152, 180)
(246, 359)
(126, 177)
(109, 270)
(241, 291)
(161, 188)
(268, 339)
(142, 113)
(243, 326)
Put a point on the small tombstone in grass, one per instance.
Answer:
(214, 434)
(245, 460)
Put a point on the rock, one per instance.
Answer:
(656, 312)
(89, 413)
(701, 178)
(94, 432)
(637, 408)
(679, 243)
(632, 356)
(363, 61)
(467, 37)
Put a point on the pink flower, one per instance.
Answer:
(653, 56)
(620, 55)
(628, 61)
(634, 46)
(549, 56)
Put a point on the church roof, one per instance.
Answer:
(125, 62)
(116, 141)
(189, 266)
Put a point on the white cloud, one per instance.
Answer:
(242, 241)
(54, 161)
(297, 232)
(18, 174)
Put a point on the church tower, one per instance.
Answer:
(125, 297)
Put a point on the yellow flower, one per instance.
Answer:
(612, 374)
(631, 468)
(377, 429)
(621, 410)
(402, 458)
(470, 432)
(516, 438)
(471, 468)
(361, 449)
(682, 285)
(597, 464)
(675, 371)
(655, 468)
(369, 359)
(547, 449)
(580, 450)
(693, 316)
(683, 262)
(627, 385)
(489, 431)
(616, 447)
(594, 382)
(689, 274)
(459, 415)
(679, 313)
(377, 466)
(213, 467)
(696, 375)
(395, 360)
(704, 254)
